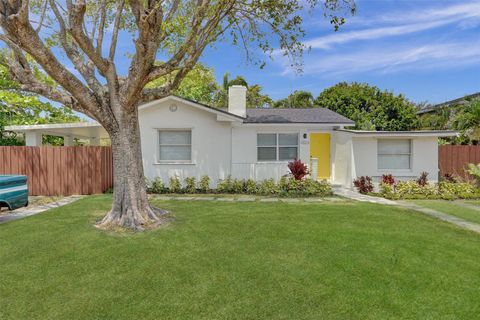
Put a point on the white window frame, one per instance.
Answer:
(410, 155)
(278, 146)
(190, 161)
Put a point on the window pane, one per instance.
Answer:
(266, 139)
(175, 153)
(175, 137)
(288, 139)
(393, 161)
(267, 153)
(287, 153)
(393, 146)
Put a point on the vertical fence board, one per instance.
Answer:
(454, 159)
(60, 170)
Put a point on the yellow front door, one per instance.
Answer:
(320, 149)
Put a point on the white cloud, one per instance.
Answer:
(393, 59)
(405, 23)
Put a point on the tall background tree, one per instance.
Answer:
(255, 97)
(61, 35)
(370, 107)
(297, 99)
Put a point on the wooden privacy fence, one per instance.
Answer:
(60, 170)
(454, 159)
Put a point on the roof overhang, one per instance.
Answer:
(222, 115)
(412, 134)
(84, 130)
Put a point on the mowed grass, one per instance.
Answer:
(453, 208)
(240, 261)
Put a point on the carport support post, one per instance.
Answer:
(94, 141)
(33, 138)
(68, 141)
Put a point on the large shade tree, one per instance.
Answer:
(61, 35)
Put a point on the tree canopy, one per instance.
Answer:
(25, 109)
(370, 107)
(297, 99)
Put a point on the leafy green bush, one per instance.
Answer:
(175, 185)
(190, 185)
(289, 187)
(157, 186)
(463, 190)
(268, 187)
(230, 185)
(443, 190)
(204, 184)
(474, 170)
(251, 186)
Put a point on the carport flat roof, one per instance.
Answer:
(415, 133)
(77, 129)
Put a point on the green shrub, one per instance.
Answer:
(175, 185)
(204, 184)
(190, 185)
(450, 190)
(443, 190)
(474, 170)
(227, 185)
(268, 187)
(289, 187)
(251, 186)
(238, 186)
(157, 186)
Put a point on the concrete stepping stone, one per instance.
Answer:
(246, 199)
(269, 200)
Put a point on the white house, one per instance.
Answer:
(189, 139)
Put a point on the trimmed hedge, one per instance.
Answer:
(442, 190)
(285, 187)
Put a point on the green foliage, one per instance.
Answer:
(370, 107)
(204, 184)
(190, 185)
(199, 84)
(297, 99)
(157, 186)
(467, 121)
(268, 187)
(290, 187)
(443, 190)
(255, 98)
(250, 186)
(19, 108)
(474, 170)
(175, 185)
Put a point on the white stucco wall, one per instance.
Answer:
(424, 158)
(211, 141)
(342, 158)
(244, 153)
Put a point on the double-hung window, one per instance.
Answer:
(394, 154)
(277, 146)
(175, 145)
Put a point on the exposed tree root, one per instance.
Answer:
(134, 220)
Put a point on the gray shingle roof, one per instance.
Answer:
(314, 115)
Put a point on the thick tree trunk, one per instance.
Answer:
(130, 208)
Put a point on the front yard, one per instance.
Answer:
(331, 260)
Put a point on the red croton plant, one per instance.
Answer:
(298, 169)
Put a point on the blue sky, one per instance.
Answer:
(427, 50)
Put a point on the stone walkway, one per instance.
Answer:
(467, 205)
(350, 194)
(244, 198)
(21, 213)
(442, 216)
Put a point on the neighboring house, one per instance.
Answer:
(188, 139)
(451, 103)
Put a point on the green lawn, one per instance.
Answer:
(240, 261)
(453, 208)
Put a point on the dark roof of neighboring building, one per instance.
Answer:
(292, 115)
(458, 101)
